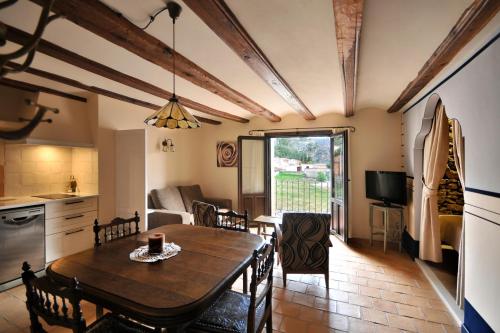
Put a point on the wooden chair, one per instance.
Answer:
(118, 228)
(304, 244)
(237, 312)
(60, 305)
(204, 214)
(231, 220)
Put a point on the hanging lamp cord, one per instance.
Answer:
(173, 54)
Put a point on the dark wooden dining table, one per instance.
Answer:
(169, 293)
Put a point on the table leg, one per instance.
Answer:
(258, 229)
(371, 225)
(401, 224)
(386, 223)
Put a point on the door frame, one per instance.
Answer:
(345, 201)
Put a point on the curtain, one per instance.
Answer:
(435, 160)
(252, 168)
(458, 155)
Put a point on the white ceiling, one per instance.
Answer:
(297, 36)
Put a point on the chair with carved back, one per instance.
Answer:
(60, 306)
(231, 220)
(118, 228)
(237, 312)
(204, 214)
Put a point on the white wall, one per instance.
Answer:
(472, 96)
(130, 174)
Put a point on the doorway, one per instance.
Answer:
(450, 208)
(300, 169)
(295, 172)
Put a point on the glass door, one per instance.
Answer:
(340, 183)
(253, 184)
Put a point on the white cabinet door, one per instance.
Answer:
(68, 242)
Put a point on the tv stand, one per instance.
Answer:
(385, 208)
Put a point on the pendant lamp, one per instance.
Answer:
(173, 115)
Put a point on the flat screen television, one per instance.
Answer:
(386, 186)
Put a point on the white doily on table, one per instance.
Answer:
(142, 254)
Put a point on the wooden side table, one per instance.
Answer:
(263, 221)
(385, 220)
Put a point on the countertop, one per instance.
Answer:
(16, 202)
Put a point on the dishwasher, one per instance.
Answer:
(22, 238)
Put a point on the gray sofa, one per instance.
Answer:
(173, 205)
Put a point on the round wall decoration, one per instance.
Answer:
(227, 154)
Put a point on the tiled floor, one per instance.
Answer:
(369, 292)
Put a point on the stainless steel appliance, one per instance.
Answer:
(22, 238)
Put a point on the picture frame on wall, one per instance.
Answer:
(227, 154)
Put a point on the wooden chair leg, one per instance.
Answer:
(245, 281)
(284, 279)
(99, 311)
(327, 279)
(269, 323)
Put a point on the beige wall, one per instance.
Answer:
(37, 169)
(375, 145)
(71, 125)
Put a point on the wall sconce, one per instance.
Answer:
(167, 145)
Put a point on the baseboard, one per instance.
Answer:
(410, 245)
(473, 322)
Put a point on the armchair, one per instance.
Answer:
(304, 244)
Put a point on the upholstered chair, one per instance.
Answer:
(304, 242)
(204, 214)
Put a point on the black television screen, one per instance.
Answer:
(386, 186)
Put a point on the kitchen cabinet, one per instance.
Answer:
(68, 226)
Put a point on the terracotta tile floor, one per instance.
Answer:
(369, 292)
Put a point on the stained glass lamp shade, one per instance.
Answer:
(173, 115)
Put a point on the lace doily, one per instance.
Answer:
(142, 254)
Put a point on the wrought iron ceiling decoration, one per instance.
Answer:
(26, 130)
(172, 115)
(30, 48)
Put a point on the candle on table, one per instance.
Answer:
(155, 242)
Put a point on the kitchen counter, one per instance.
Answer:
(16, 202)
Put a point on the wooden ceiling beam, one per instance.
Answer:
(472, 20)
(96, 90)
(219, 17)
(35, 88)
(98, 18)
(20, 37)
(348, 19)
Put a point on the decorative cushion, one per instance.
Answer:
(189, 194)
(168, 198)
(229, 313)
(306, 239)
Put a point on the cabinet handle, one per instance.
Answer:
(73, 202)
(74, 217)
(74, 232)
